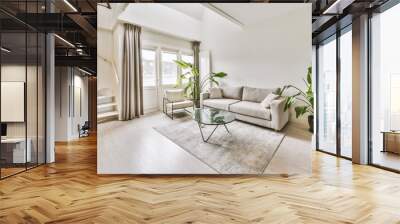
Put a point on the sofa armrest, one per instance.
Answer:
(279, 117)
(203, 96)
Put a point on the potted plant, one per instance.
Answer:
(196, 84)
(306, 98)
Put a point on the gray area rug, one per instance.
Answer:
(248, 149)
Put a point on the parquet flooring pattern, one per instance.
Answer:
(70, 191)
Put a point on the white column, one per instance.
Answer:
(50, 99)
(360, 90)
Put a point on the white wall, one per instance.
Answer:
(266, 54)
(106, 67)
(67, 111)
(162, 19)
(108, 18)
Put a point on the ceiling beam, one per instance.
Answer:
(222, 13)
(84, 24)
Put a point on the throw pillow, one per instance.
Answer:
(232, 92)
(266, 103)
(215, 93)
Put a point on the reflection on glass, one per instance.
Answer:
(327, 96)
(385, 83)
(346, 94)
(212, 116)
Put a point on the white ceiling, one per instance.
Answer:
(250, 13)
(194, 10)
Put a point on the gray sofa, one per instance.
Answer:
(245, 102)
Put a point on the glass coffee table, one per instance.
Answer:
(212, 116)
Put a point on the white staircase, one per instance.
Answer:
(106, 109)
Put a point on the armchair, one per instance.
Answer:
(174, 99)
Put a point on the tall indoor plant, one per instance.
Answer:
(306, 98)
(196, 84)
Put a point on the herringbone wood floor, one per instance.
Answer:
(69, 191)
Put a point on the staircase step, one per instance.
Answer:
(107, 107)
(107, 116)
(105, 99)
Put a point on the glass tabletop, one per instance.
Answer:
(211, 116)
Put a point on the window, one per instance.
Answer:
(188, 59)
(327, 96)
(346, 94)
(149, 67)
(169, 70)
(385, 89)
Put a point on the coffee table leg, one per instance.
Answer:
(226, 128)
(201, 132)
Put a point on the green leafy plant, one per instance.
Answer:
(306, 96)
(196, 84)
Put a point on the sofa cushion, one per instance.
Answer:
(266, 103)
(232, 92)
(222, 104)
(252, 109)
(255, 94)
(215, 93)
(176, 95)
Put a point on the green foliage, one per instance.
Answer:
(195, 84)
(306, 97)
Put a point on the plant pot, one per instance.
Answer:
(311, 123)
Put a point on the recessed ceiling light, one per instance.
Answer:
(338, 6)
(84, 71)
(64, 40)
(5, 50)
(70, 5)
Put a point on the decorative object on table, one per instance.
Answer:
(306, 97)
(391, 141)
(211, 116)
(174, 99)
(195, 83)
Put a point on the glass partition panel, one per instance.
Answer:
(327, 96)
(41, 98)
(14, 144)
(31, 98)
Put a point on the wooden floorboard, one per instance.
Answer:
(70, 191)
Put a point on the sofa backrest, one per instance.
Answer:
(255, 94)
(232, 92)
